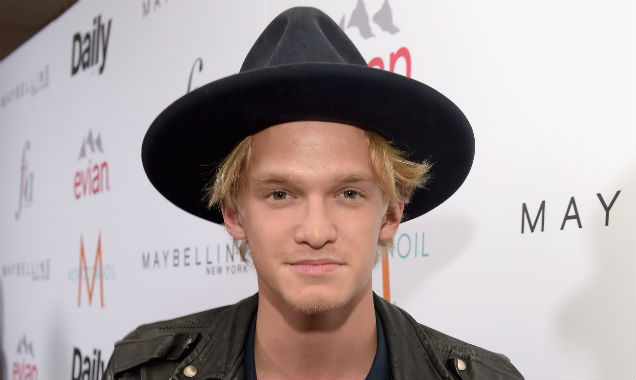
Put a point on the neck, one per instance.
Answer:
(335, 344)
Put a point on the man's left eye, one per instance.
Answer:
(278, 195)
(350, 194)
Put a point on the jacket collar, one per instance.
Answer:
(410, 353)
(223, 346)
(221, 352)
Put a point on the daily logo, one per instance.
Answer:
(90, 48)
(93, 178)
(571, 213)
(213, 260)
(26, 182)
(24, 367)
(87, 366)
(88, 277)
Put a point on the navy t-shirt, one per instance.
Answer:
(380, 369)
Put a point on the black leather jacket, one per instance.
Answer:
(210, 345)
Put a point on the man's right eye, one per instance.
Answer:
(278, 195)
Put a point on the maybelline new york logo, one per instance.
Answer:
(88, 276)
(26, 182)
(571, 213)
(149, 7)
(36, 270)
(216, 259)
(29, 86)
(24, 367)
(90, 48)
(87, 366)
(94, 178)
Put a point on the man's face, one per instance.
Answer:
(312, 212)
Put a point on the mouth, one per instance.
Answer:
(317, 267)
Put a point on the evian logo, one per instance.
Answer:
(24, 367)
(26, 182)
(89, 49)
(94, 178)
(383, 19)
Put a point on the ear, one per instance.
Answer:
(233, 225)
(391, 220)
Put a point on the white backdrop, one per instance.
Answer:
(549, 88)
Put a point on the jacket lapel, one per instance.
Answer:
(410, 353)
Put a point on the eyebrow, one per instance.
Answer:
(278, 178)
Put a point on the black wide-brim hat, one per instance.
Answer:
(304, 67)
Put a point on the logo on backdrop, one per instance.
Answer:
(93, 179)
(90, 48)
(36, 270)
(24, 367)
(197, 66)
(151, 6)
(211, 260)
(382, 21)
(29, 86)
(571, 217)
(382, 18)
(87, 365)
(88, 277)
(26, 182)
(407, 247)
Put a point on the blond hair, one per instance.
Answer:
(397, 177)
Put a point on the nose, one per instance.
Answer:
(315, 228)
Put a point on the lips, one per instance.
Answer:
(315, 267)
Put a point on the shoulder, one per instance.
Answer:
(450, 357)
(467, 360)
(155, 350)
(184, 323)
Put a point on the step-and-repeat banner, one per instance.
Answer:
(533, 257)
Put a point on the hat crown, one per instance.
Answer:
(302, 35)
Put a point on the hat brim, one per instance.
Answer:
(191, 136)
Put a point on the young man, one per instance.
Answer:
(319, 156)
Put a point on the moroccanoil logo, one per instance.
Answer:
(88, 277)
(408, 246)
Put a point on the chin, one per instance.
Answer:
(314, 302)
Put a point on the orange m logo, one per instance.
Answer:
(83, 268)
